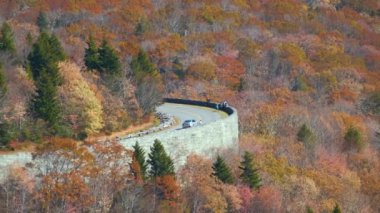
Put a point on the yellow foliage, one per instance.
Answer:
(241, 3)
(266, 118)
(278, 168)
(329, 57)
(203, 69)
(79, 99)
(170, 46)
(334, 185)
(293, 53)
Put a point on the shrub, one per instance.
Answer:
(372, 104)
(82, 136)
(306, 135)
(353, 138)
(300, 84)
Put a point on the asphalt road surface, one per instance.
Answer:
(184, 112)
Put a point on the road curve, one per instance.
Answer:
(184, 112)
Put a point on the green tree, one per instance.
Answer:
(109, 62)
(42, 21)
(160, 163)
(305, 135)
(222, 171)
(353, 138)
(178, 68)
(5, 136)
(3, 83)
(7, 43)
(300, 84)
(45, 54)
(141, 27)
(142, 67)
(91, 55)
(337, 209)
(45, 103)
(139, 155)
(250, 175)
(309, 210)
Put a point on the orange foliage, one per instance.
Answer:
(170, 188)
(169, 46)
(229, 71)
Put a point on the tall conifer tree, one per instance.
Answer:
(222, 171)
(45, 54)
(45, 102)
(160, 162)
(139, 155)
(91, 55)
(142, 67)
(250, 175)
(43, 61)
(109, 62)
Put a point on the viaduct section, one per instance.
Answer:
(205, 140)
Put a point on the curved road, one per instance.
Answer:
(184, 112)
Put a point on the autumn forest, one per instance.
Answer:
(304, 76)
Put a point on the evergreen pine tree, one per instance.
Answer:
(45, 103)
(222, 171)
(45, 54)
(337, 209)
(3, 83)
(91, 56)
(6, 39)
(109, 62)
(249, 175)
(143, 67)
(160, 163)
(42, 21)
(43, 61)
(139, 155)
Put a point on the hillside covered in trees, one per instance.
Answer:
(303, 74)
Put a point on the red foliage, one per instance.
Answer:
(267, 199)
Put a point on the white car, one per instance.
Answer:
(188, 123)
